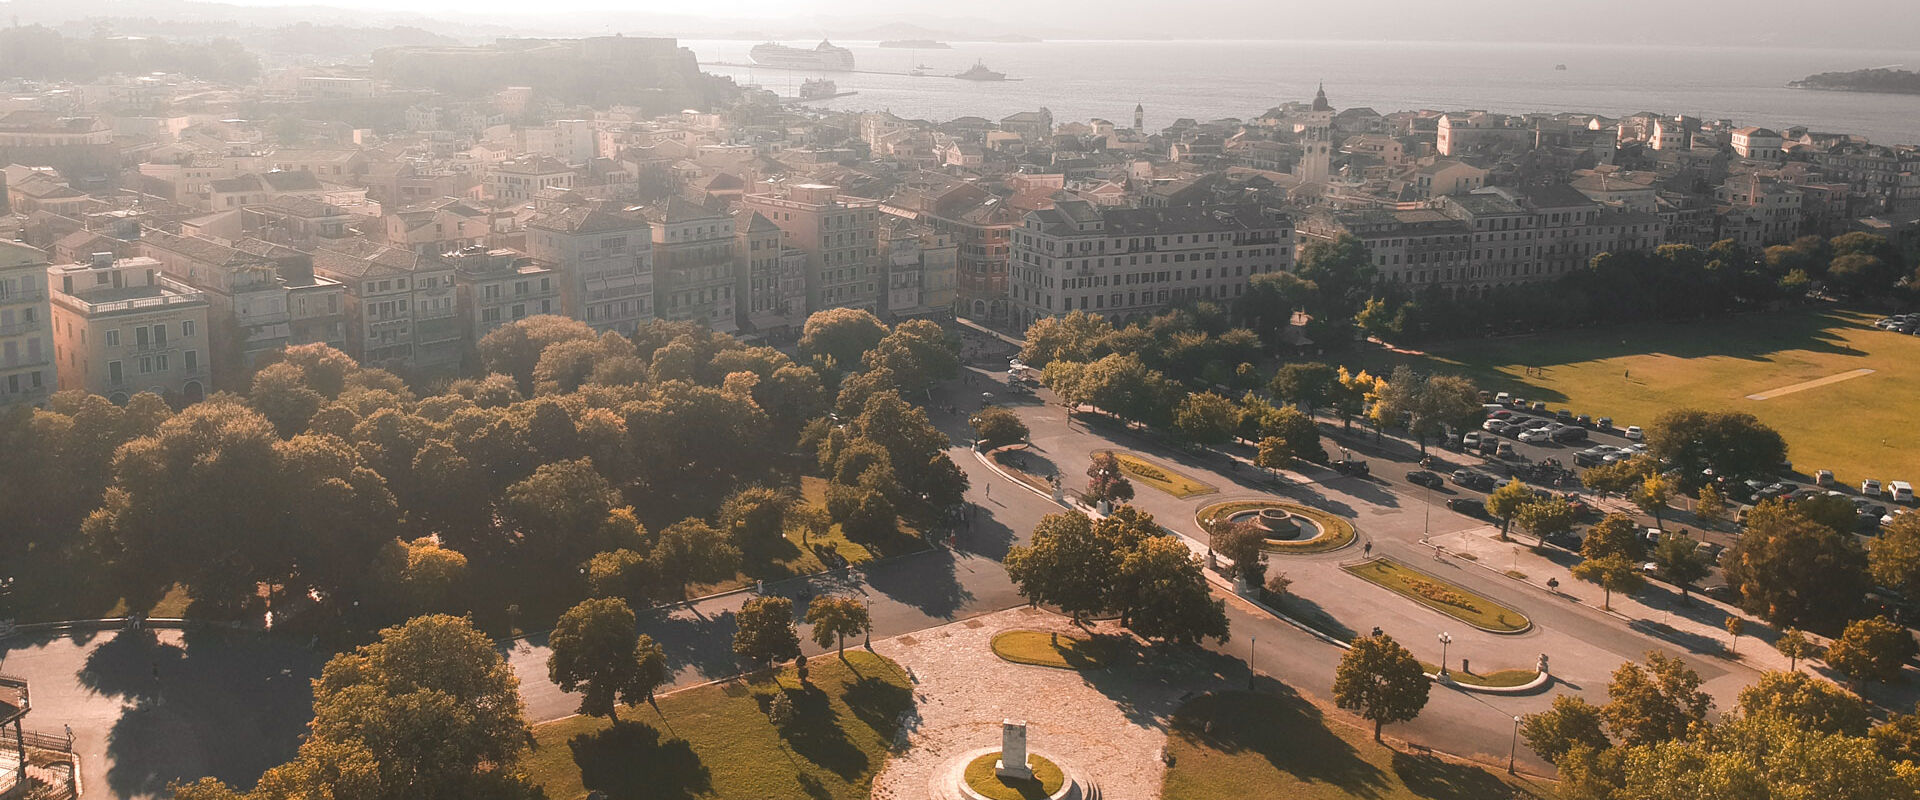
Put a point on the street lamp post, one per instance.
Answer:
(1250, 641)
(869, 626)
(1445, 640)
(1514, 745)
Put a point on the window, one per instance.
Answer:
(186, 329)
(113, 337)
(141, 336)
(160, 362)
(192, 360)
(114, 373)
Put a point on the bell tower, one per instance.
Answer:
(1315, 129)
(1139, 119)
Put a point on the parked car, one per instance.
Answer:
(1823, 477)
(1570, 433)
(1501, 414)
(1604, 423)
(1900, 492)
(1870, 488)
(1565, 539)
(1583, 421)
(1634, 433)
(1750, 489)
(1538, 407)
(1494, 426)
(1470, 440)
(1489, 445)
(1772, 491)
(1467, 506)
(1503, 398)
(1473, 479)
(1349, 466)
(1422, 477)
(1594, 456)
(1534, 435)
(1563, 415)
(1506, 452)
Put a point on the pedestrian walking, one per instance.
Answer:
(1367, 550)
(989, 491)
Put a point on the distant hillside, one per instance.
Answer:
(1886, 81)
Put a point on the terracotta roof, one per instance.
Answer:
(591, 217)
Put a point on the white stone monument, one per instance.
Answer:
(1013, 751)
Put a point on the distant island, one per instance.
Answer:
(916, 44)
(1882, 80)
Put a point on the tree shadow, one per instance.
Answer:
(221, 704)
(690, 640)
(927, 584)
(1430, 777)
(1277, 724)
(1148, 683)
(814, 733)
(985, 535)
(1314, 616)
(877, 704)
(629, 761)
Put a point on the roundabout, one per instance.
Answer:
(1288, 528)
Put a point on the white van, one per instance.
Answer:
(1900, 492)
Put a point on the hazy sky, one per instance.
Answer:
(1829, 23)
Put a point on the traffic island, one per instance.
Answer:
(1055, 650)
(1447, 598)
(1163, 478)
(1288, 528)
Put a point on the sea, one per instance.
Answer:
(1207, 80)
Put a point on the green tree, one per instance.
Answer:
(1610, 557)
(1833, 511)
(691, 551)
(1162, 593)
(1762, 755)
(1066, 566)
(1572, 722)
(764, 632)
(1872, 649)
(840, 337)
(1654, 703)
(1894, 556)
(514, 349)
(1652, 496)
(1295, 434)
(1078, 336)
(1206, 418)
(1807, 701)
(1712, 505)
(1680, 560)
(1620, 477)
(598, 651)
(756, 516)
(1734, 626)
(1382, 681)
(811, 520)
(1505, 503)
(1898, 739)
(996, 426)
(836, 618)
(1544, 518)
(1795, 646)
(1790, 570)
(1269, 303)
(619, 573)
(1309, 385)
(1245, 544)
(1733, 444)
(918, 353)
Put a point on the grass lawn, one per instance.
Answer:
(1165, 479)
(789, 559)
(1266, 745)
(1505, 678)
(1441, 596)
(1859, 428)
(1047, 779)
(716, 742)
(1044, 649)
(1337, 532)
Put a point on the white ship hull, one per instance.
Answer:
(825, 57)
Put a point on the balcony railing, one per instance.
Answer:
(19, 328)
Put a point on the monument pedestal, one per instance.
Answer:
(1013, 751)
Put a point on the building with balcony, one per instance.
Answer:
(770, 281)
(694, 263)
(27, 373)
(121, 327)
(1130, 262)
(499, 286)
(401, 308)
(603, 255)
(250, 288)
(840, 236)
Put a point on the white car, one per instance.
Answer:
(1536, 435)
(1870, 488)
(1633, 432)
(1900, 492)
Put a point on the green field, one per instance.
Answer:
(1863, 427)
(715, 741)
(1059, 651)
(1240, 744)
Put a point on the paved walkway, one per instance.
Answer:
(1110, 724)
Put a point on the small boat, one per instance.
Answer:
(1560, 67)
(979, 72)
(916, 44)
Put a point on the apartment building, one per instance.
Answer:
(401, 306)
(498, 286)
(27, 374)
(770, 281)
(1757, 212)
(840, 236)
(1408, 246)
(920, 264)
(694, 263)
(247, 303)
(1126, 262)
(521, 179)
(121, 327)
(603, 255)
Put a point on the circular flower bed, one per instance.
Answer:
(1320, 531)
(1047, 779)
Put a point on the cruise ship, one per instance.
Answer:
(824, 57)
